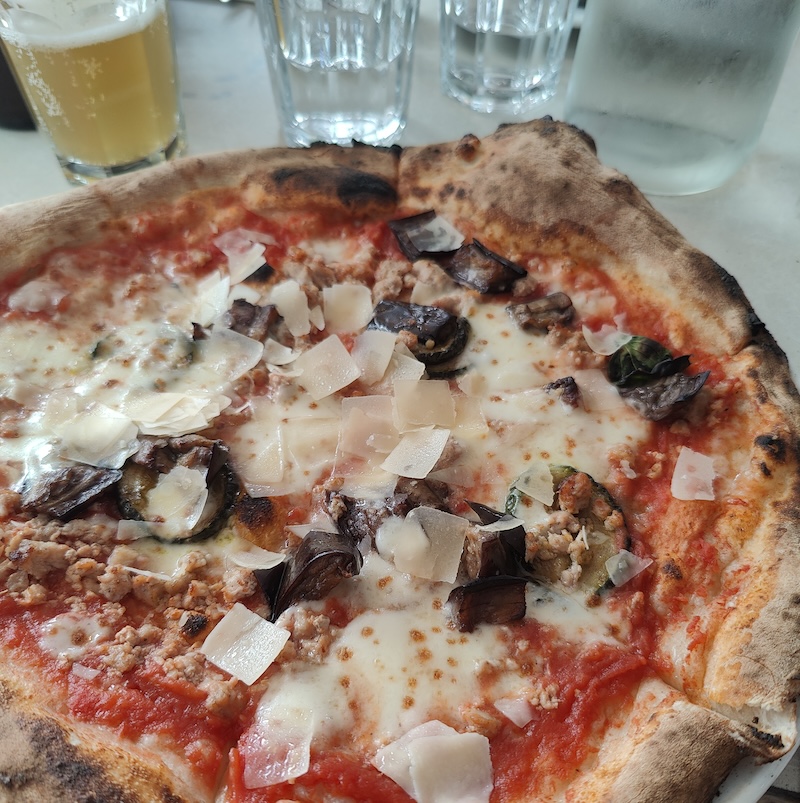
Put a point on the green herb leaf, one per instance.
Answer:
(641, 360)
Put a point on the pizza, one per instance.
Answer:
(445, 473)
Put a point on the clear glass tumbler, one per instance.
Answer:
(100, 78)
(676, 92)
(503, 55)
(341, 69)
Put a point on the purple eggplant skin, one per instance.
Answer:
(314, 568)
(488, 600)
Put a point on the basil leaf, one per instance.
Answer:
(641, 360)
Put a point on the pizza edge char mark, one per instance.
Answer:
(544, 172)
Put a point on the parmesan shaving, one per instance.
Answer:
(417, 453)
(605, 340)
(346, 307)
(326, 368)
(693, 476)
(243, 644)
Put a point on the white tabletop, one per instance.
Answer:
(751, 226)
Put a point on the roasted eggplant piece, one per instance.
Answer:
(651, 380)
(252, 320)
(490, 600)
(361, 518)
(658, 399)
(318, 564)
(569, 391)
(59, 493)
(156, 460)
(481, 269)
(441, 336)
(425, 235)
(543, 313)
(498, 551)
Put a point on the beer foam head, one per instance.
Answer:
(75, 23)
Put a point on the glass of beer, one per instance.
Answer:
(100, 78)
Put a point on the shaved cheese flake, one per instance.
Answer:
(317, 317)
(451, 768)
(393, 759)
(367, 426)
(446, 534)
(277, 354)
(537, 483)
(422, 403)
(84, 672)
(326, 368)
(517, 709)
(132, 530)
(605, 340)
(403, 365)
(624, 566)
(693, 477)
(256, 558)
(470, 420)
(292, 305)
(347, 307)
(211, 298)
(417, 453)
(277, 747)
(597, 393)
(222, 357)
(437, 235)
(372, 351)
(428, 543)
(433, 763)
(177, 500)
(99, 436)
(172, 413)
(245, 251)
(243, 292)
(370, 483)
(243, 644)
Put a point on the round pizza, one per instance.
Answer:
(446, 473)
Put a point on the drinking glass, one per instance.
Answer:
(341, 69)
(100, 78)
(676, 92)
(503, 55)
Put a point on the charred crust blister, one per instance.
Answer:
(354, 188)
(773, 445)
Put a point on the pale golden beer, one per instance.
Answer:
(104, 90)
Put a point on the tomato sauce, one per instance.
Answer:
(347, 775)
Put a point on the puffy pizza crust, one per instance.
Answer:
(44, 757)
(353, 181)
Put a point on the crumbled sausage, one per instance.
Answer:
(238, 583)
(85, 573)
(114, 583)
(38, 558)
